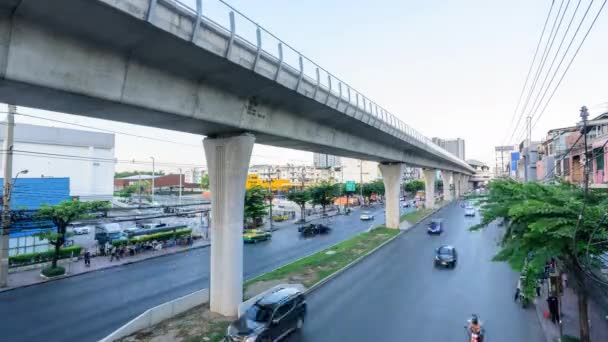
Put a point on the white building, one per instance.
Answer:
(85, 157)
(454, 146)
(194, 175)
(357, 170)
(296, 174)
(322, 160)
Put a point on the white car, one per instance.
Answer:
(366, 216)
(469, 211)
(82, 230)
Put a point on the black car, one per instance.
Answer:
(271, 318)
(314, 229)
(446, 256)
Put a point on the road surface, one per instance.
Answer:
(397, 294)
(90, 306)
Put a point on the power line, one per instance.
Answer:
(135, 135)
(571, 60)
(529, 70)
(536, 102)
(539, 68)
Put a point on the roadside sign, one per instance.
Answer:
(350, 186)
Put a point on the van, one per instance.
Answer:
(109, 232)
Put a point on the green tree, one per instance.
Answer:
(414, 185)
(133, 188)
(205, 181)
(255, 205)
(375, 187)
(324, 194)
(124, 174)
(62, 215)
(544, 221)
(300, 197)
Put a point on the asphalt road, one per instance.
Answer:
(90, 306)
(397, 295)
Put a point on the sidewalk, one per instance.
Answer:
(31, 277)
(569, 307)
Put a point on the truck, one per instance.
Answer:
(108, 232)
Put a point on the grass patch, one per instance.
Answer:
(568, 338)
(314, 268)
(415, 216)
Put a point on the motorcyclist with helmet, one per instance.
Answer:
(475, 331)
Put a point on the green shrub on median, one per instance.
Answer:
(34, 258)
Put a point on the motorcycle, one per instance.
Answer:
(472, 336)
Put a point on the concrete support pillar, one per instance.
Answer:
(392, 175)
(429, 191)
(457, 192)
(228, 163)
(448, 188)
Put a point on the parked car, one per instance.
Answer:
(271, 318)
(435, 226)
(256, 235)
(469, 211)
(81, 230)
(446, 256)
(366, 216)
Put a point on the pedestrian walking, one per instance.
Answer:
(564, 280)
(517, 292)
(87, 258)
(113, 253)
(538, 288)
(552, 301)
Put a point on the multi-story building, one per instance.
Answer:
(297, 175)
(86, 158)
(454, 146)
(194, 175)
(411, 173)
(528, 156)
(503, 160)
(358, 170)
(551, 163)
(482, 173)
(322, 160)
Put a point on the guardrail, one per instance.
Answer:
(159, 313)
(221, 16)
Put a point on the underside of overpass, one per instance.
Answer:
(131, 62)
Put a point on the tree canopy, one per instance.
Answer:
(324, 194)
(548, 221)
(205, 181)
(300, 197)
(414, 185)
(62, 215)
(255, 205)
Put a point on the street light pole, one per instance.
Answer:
(153, 176)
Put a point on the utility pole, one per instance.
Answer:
(270, 195)
(529, 130)
(6, 196)
(303, 177)
(153, 176)
(140, 187)
(584, 116)
(180, 185)
(361, 178)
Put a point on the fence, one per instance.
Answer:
(217, 15)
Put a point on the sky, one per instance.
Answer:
(449, 68)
